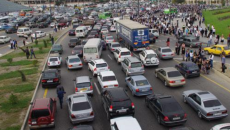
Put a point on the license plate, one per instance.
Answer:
(110, 86)
(144, 90)
(83, 89)
(50, 81)
(55, 51)
(82, 115)
(34, 122)
(178, 81)
(217, 114)
(194, 72)
(122, 111)
(176, 118)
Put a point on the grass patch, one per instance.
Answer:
(13, 55)
(8, 107)
(16, 63)
(15, 74)
(16, 88)
(13, 128)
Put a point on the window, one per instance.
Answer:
(197, 100)
(101, 65)
(193, 67)
(116, 45)
(80, 106)
(74, 60)
(125, 53)
(109, 78)
(141, 32)
(225, 128)
(39, 113)
(213, 48)
(142, 83)
(49, 75)
(166, 50)
(53, 59)
(136, 64)
(211, 103)
(151, 55)
(83, 85)
(219, 48)
(90, 50)
(174, 74)
(157, 104)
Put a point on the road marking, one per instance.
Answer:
(210, 80)
(110, 57)
(97, 88)
(178, 58)
(45, 93)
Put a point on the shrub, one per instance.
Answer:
(36, 42)
(22, 76)
(10, 60)
(13, 99)
(35, 63)
(45, 43)
(40, 49)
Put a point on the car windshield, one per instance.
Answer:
(171, 106)
(90, 50)
(109, 38)
(211, 103)
(80, 106)
(174, 74)
(142, 83)
(53, 59)
(136, 64)
(73, 60)
(166, 50)
(101, 65)
(56, 46)
(83, 85)
(193, 67)
(125, 53)
(151, 55)
(20, 30)
(109, 78)
(39, 113)
(49, 75)
(73, 40)
(116, 45)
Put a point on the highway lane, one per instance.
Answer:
(144, 116)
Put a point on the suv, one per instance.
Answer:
(82, 84)
(166, 109)
(149, 58)
(116, 102)
(51, 77)
(42, 113)
(132, 66)
(74, 41)
(54, 60)
(97, 66)
(121, 53)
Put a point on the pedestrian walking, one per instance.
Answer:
(60, 88)
(27, 53)
(187, 56)
(207, 66)
(176, 47)
(229, 40)
(183, 52)
(191, 55)
(205, 32)
(211, 57)
(199, 63)
(216, 40)
(11, 44)
(223, 63)
(32, 53)
(222, 39)
(52, 40)
(24, 42)
(61, 96)
(168, 42)
(209, 41)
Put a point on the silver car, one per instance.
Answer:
(113, 46)
(73, 62)
(80, 108)
(139, 85)
(109, 39)
(132, 66)
(205, 103)
(83, 84)
(165, 53)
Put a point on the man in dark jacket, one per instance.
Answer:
(61, 96)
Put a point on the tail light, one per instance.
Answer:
(56, 80)
(113, 40)
(29, 121)
(171, 81)
(91, 114)
(185, 115)
(73, 116)
(108, 67)
(112, 49)
(134, 49)
(172, 54)
(120, 56)
(80, 64)
(142, 66)
(132, 104)
(183, 80)
(111, 108)
(58, 62)
(76, 89)
(224, 112)
(105, 86)
(137, 90)
(97, 56)
(70, 65)
(95, 69)
(209, 114)
(129, 67)
(151, 88)
(72, 52)
(91, 87)
(44, 81)
(116, 85)
(166, 118)
(52, 119)
(163, 55)
(48, 63)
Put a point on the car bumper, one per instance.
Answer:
(90, 92)
(167, 57)
(173, 123)
(75, 67)
(176, 84)
(41, 126)
(71, 34)
(143, 93)
(57, 65)
(151, 64)
(115, 114)
(194, 74)
(215, 117)
(136, 73)
(54, 84)
(79, 120)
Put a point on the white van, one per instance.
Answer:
(81, 31)
(128, 10)
(92, 49)
(24, 32)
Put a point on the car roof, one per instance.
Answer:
(117, 93)
(220, 45)
(98, 61)
(107, 73)
(73, 56)
(164, 48)
(138, 77)
(123, 49)
(133, 59)
(169, 69)
(189, 63)
(79, 98)
(204, 95)
(149, 51)
(126, 123)
(41, 103)
(82, 79)
(50, 70)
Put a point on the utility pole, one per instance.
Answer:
(138, 8)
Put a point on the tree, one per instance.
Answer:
(223, 2)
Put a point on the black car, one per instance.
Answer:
(74, 41)
(82, 127)
(94, 33)
(51, 78)
(78, 50)
(72, 32)
(166, 109)
(43, 25)
(116, 102)
(11, 30)
(83, 42)
(188, 69)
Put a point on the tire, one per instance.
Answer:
(199, 114)
(184, 100)
(107, 115)
(165, 83)
(158, 119)
(126, 74)
(88, 68)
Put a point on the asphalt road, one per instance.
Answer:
(4, 48)
(144, 116)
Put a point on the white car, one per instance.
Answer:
(154, 32)
(54, 60)
(107, 79)
(4, 39)
(149, 58)
(121, 53)
(112, 28)
(73, 62)
(224, 126)
(53, 24)
(125, 123)
(97, 66)
(39, 34)
(104, 30)
(109, 39)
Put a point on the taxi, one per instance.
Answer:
(217, 50)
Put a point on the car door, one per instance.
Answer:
(91, 64)
(194, 101)
(163, 75)
(99, 78)
(219, 50)
(212, 50)
(124, 64)
(142, 57)
(156, 107)
(132, 85)
(184, 68)
(69, 102)
(128, 82)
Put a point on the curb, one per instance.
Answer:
(38, 83)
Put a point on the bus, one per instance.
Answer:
(105, 15)
(170, 11)
(92, 49)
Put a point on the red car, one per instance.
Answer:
(42, 113)
(62, 24)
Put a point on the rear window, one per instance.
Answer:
(193, 67)
(109, 38)
(53, 59)
(56, 46)
(151, 55)
(20, 30)
(109, 78)
(80, 106)
(83, 85)
(137, 64)
(174, 74)
(166, 50)
(142, 83)
(49, 75)
(101, 65)
(77, 48)
(74, 60)
(211, 103)
(90, 50)
(116, 45)
(125, 53)
(73, 40)
(170, 106)
(39, 113)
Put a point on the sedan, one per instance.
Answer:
(109, 39)
(78, 50)
(74, 41)
(51, 77)
(113, 46)
(205, 103)
(73, 62)
(43, 25)
(80, 108)
(11, 30)
(170, 76)
(57, 48)
(112, 28)
(188, 69)
(38, 34)
(107, 79)
(72, 32)
(165, 53)
(224, 126)
(125, 123)
(83, 84)
(138, 85)
(4, 39)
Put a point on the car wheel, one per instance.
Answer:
(199, 114)
(165, 83)
(186, 76)
(184, 99)
(158, 119)
(94, 75)
(206, 52)
(118, 62)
